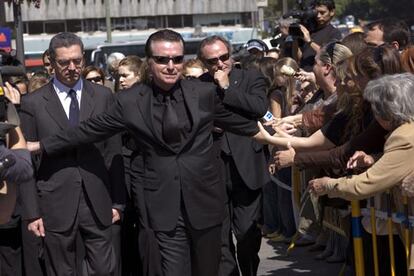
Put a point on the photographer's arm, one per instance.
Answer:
(307, 38)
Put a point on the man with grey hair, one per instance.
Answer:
(243, 160)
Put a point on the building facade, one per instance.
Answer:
(89, 15)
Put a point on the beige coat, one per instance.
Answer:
(396, 163)
(389, 171)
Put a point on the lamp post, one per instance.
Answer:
(108, 21)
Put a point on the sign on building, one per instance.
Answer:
(261, 3)
(5, 39)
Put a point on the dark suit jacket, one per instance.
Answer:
(59, 177)
(190, 171)
(247, 95)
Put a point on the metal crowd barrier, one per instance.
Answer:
(402, 218)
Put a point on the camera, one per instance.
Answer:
(305, 14)
(9, 66)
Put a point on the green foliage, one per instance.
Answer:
(375, 9)
(361, 9)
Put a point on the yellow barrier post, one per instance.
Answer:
(374, 235)
(357, 238)
(390, 233)
(407, 233)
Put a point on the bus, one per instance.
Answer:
(130, 43)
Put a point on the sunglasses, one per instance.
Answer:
(67, 62)
(214, 61)
(165, 60)
(95, 79)
(330, 48)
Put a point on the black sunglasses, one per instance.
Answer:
(166, 60)
(95, 79)
(214, 61)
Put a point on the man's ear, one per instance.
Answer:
(327, 69)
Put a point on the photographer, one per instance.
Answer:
(15, 172)
(322, 34)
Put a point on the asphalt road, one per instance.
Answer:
(274, 262)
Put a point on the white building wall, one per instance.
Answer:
(76, 9)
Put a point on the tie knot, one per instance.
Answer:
(167, 98)
(72, 94)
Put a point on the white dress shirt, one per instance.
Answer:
(62, 92)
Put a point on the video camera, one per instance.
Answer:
(305, 14)
(9, 66)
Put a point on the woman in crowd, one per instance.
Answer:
(280, 225)
(371, 63)
(407, 59)
(129, 71)
(94, 74)
(392, 102)
(193, 68)
(313, 120)
(37, 80)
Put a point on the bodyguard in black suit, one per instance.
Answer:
(243, 159)
(79, 190)
(172, 121)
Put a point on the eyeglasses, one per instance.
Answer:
(95, 79)
(214, 61)
(165, 60)
(66, 62)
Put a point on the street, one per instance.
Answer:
(300, 262)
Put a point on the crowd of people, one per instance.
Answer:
(158, 166)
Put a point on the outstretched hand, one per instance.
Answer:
(360, 160)
(262, 136)
(318, 187)
(285, 158)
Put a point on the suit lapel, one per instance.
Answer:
(191, 101)
(235, 77)
(54, 107)
(87, 102)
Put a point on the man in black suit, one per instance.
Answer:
(172, 121)
(79, 191)
(243, 158)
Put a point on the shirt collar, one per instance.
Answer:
(61, 88)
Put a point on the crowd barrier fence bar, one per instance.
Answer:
(357, 238)
(390, 233)
(406, 232)
(374, 236)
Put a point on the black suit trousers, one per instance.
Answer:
(61, 250)
(243, 212)
(188, 251)
(10, 252)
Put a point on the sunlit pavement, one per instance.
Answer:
(299, 262)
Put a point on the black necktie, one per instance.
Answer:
(170, 130)
(73, 109)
